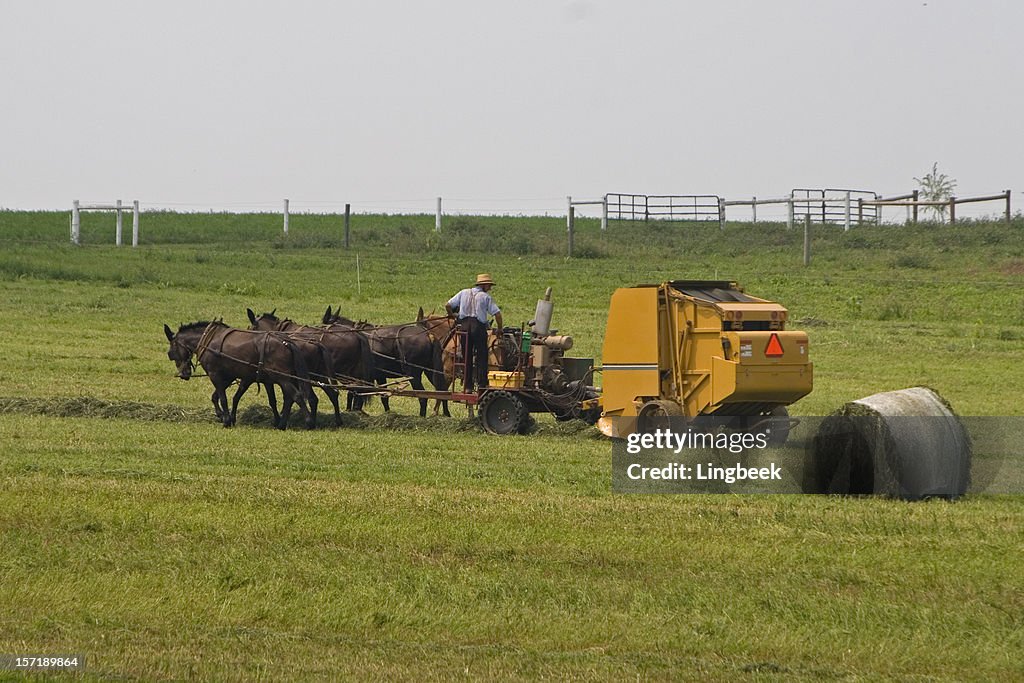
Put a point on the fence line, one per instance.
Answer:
(951, 203)
(829, 205)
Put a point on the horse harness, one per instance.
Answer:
(205, 340)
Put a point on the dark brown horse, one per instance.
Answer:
(339, 354)
(407, 350)
(228, 354)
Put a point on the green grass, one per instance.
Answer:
(137, 531)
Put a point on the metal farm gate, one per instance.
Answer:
(830, 205)
(643, 207)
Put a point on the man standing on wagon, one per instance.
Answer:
(472, 306)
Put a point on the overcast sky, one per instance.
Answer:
(507, 106)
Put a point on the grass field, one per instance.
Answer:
(139, 532)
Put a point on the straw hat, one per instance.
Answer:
(484, 279)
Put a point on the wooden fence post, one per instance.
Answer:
(1008, 207)
(135, 223)
(76, 223)
(119, 225)
(348, 210)
(572, 224)
(952, 210)
(915, 206)
(807, 240)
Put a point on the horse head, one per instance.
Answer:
(181, 350)
(438, 327)
(266, 321)
(336, 318)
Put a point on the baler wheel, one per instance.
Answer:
(779, 425)
(502, 412)
(657, 414)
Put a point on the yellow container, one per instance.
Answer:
(498, 379)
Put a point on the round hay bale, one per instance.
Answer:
(905, 444)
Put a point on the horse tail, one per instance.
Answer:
(327, 363)
(365, 368)
(299, 367)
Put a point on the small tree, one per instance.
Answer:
(936, 187)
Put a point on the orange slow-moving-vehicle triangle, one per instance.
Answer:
(774, 348)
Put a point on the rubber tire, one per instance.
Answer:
(502, 412)
(780, 425)
(657, 414)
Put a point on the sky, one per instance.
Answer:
(501, 107)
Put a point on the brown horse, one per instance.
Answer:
(406, 350)
(329, 354)
(228, 354)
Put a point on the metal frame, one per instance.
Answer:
(833, 205)
(76, 220)
(672, 207)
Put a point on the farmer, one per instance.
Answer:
(472, 306)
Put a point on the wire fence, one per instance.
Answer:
(837, 206)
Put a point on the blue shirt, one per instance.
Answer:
(474, 303)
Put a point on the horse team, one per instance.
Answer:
(336, 355)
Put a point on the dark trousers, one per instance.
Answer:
(476, 352)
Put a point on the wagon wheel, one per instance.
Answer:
(502, 412)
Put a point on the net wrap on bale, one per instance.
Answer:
(902, 444)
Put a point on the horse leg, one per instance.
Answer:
(272, 400)
(440, 404)
(310, 397)
(286, 409)
(332, 396)
(243, 386)
(220, 400)
(440, 381)
(215, 399)
(417, 383)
